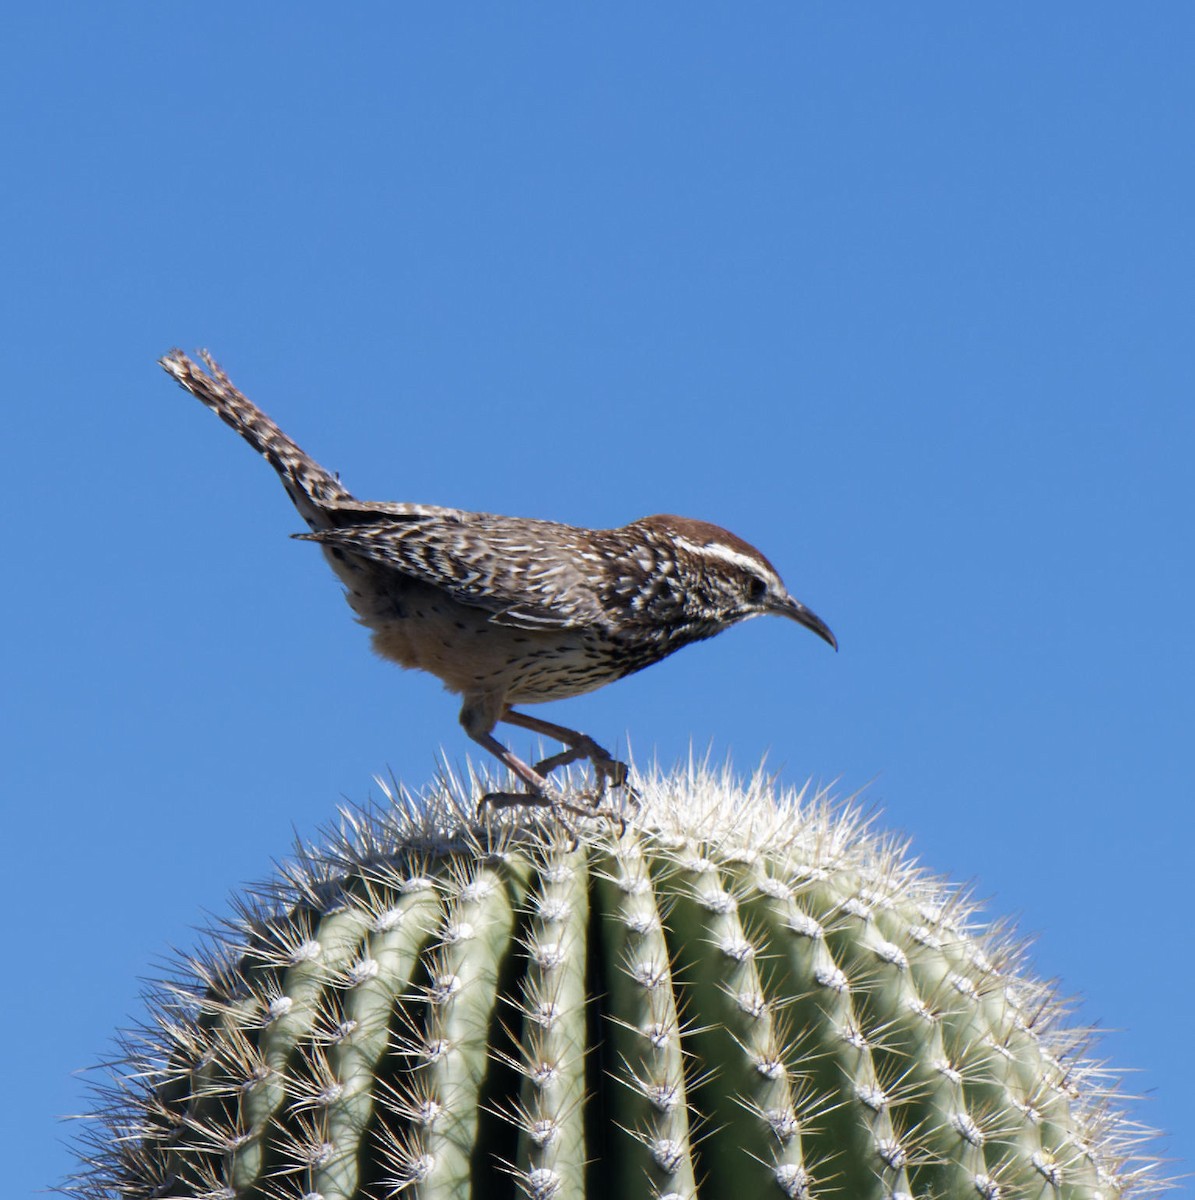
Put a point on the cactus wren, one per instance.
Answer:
(509, 610)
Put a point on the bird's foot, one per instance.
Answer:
(609, 771)
(515, 799)
(537, 798)
(564, 810)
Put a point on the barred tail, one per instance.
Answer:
(307, 483)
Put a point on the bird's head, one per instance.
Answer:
(730, 576)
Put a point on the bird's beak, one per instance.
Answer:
(803, 616)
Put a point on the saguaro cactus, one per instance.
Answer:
(739, 994)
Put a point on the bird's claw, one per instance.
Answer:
(609, 771)
(562, 809)
(513, 799)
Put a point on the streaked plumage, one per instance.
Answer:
(510, 610)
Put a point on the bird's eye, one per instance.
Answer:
(757, 589)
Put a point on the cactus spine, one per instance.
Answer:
(742, 994)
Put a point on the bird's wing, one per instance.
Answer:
(348, 510)
(525, 573)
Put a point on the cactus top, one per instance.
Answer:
(742, 993)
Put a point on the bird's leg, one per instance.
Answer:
(539, 793)
(537, 786)
(580, 745)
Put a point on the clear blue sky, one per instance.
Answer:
(901, 294)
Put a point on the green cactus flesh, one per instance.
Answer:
(737, 994)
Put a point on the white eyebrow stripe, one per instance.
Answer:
(726, 554)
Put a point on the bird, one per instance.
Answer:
(510, 611)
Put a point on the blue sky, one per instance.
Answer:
(903, 295)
